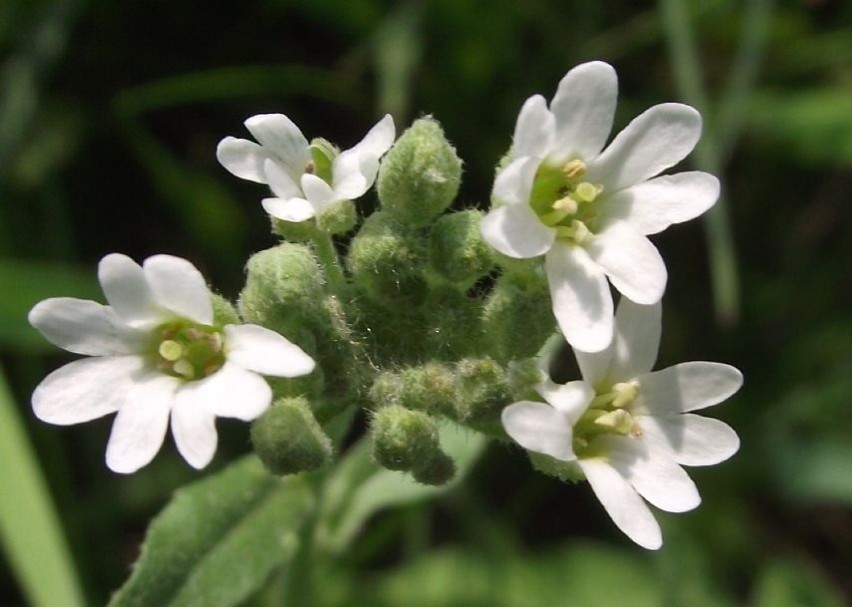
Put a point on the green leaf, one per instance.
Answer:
(359, 487)
(219, 539)
(29, 529)
(790, 584)
(25, 283)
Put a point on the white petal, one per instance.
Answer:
(687, 387)
(637, 339)
(513, 184)
(82, 326)
(657, 139)
(653, 473)
(353, 184)
(622, 503)
(127, 290)
(540, 428)
(140, 426)
(652, 206)
(230, 392)
(581, 300)
(534, 129)
(516, 231)
(694, 440)
(375, 143)
(571, 399)
(194, 428)
(86, 389)
(178, 286)
(263, 351)
(282, 139)
(292, 209)
(242, 158)
(584, 106)
(631, 262)
(280, 181)
(318, 192)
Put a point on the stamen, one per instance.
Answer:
(566, 204)
(619, 421)
(624, 394)
(577, 231)
(184, 368)
(311, 167)
(170, 350)
(587, 192)
(574, 170)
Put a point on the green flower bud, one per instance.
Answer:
(430, 387)
(339, 218)
(403, 439)
(387, 261)
(518, 317)
(523, 376)
(457, 251)
(288, 439)
(437, 471)
(420, 175)
(482, 392)
(224, 312)
(455, 328)
(282, 289)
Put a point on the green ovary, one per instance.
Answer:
(608, 413)
(563, 201)
(187, 350)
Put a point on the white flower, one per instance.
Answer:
(629, 430)
(156, 355)
(588, 210)
(299, 173)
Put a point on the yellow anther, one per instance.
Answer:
(624, 394)
(567, 204)
(577, 231)
(619, 421)
(574, 170)
(184, 368)
(170, 350)
(587, 192)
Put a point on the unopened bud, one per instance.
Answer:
(288, 439)
(403, 439)
(457, 251)
(420, 175)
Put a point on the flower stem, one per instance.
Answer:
(330, 261)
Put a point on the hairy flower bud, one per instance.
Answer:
(457, 251)
(387, 261)
(288, 439)
(437, 471)
(420, 175)
(403, 439)
(518, 316)
(282, 289)
(338, 219)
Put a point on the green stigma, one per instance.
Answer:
(562, 200)
(608, 413)
(187, 350)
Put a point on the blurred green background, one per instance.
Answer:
(109, 117)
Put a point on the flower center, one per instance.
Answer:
(608, 413)
(187, 350)
(563, 200)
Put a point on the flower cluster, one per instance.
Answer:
(424, 315)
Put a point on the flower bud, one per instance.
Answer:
(430, 387)
(420, 175)
(457, 251)
(518, 316)
(387, 261)
(288, 439)
(403, 439)
(282, 289)
(439, 470)
(482, 392)
(339, 218)
(224, 312)
(296, 231)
